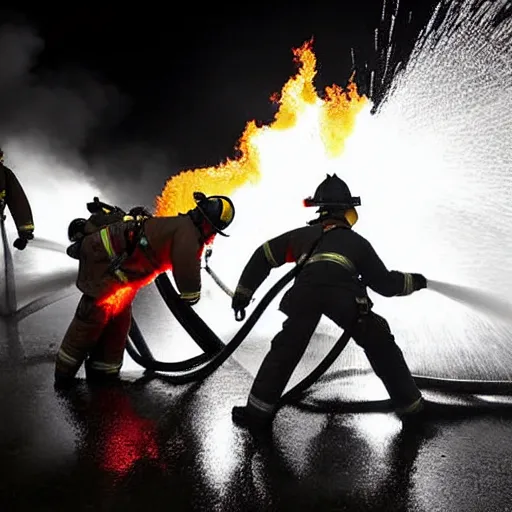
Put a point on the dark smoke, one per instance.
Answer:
(52, 116)
(61, 107)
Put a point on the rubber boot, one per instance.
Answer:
(97, 377)
(63, 382)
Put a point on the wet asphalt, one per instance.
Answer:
(148, 444)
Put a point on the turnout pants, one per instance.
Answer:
(371, 332)
(95, 336)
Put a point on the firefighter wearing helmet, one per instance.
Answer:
(123, 256)
(13, 196)
(340, 265)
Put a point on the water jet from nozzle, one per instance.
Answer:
(473, 298)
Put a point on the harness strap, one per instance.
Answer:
(115, 259)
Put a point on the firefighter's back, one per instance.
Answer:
(164, 232)
(336, 262)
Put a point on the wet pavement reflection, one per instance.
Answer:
(146, 443)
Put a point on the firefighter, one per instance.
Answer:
(339, 266)
(13, 196)
(115, 261)
(102, 214)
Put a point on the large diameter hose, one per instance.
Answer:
(200, 367)
(194, 372)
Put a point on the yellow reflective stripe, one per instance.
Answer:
(121, 276)
(105, 238)
(260, 405)
(190, 295)
(408, 284)
(242, 290)
(3, 193)
(26, 227)
(268, 254)
(105, 367)
(416, 406)
(66, 358)
(332, 257)
(107, 243)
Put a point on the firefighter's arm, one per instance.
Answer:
(186, 269)
(389, 283)
(272, 254)
(17, 202)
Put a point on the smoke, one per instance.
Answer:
(51, 122)
(475, 299)
(61, 108)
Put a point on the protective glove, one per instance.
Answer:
(23, 237)
(239, 303)
(419, 281)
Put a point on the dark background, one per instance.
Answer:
(190, 76)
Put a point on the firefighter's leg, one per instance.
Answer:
(374, 336)
(287, 348)
(106, 359)
(82, 335)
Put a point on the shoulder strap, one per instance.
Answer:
(305, 256)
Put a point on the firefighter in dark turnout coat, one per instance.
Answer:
(333, 281)
(116, 260)
(13, 196)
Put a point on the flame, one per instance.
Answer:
(337, 114)
(124, 296)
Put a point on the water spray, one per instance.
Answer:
(476, 299)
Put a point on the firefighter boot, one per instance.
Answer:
(95, 376)
(63, 382)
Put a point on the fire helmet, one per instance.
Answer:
(333, 197)
(140, 211)
(76, 229)
(219, 211)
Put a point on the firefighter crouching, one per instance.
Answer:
(333, 281)
(123, 256)
(13, 196)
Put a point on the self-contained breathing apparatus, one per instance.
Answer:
(103, 214)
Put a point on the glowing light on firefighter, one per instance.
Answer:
(124, 295)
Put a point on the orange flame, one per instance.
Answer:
(338, 111)
(124, 295)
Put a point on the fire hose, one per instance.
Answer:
(216, 352)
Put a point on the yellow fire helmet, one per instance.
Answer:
(219, 211)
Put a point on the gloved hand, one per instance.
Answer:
(239, 304)
(23, 237)
(419, 281)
